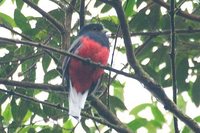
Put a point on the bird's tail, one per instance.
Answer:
(76, 102)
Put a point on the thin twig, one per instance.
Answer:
(29, 39)
(166, 32)
(22, 59)
(111, 64)
(63, 52)
(58, 106)
(178, 6)
(60, 4)
(25, 84)
(143, 46)
(173, 59)
(15, 32)
(70, 5)
(52, 20)
(179, 12)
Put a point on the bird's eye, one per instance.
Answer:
(94, 29)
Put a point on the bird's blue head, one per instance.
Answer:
(91, 28)
(95, 32)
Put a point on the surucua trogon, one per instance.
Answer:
(82, 78)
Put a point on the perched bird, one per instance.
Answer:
(82, 78)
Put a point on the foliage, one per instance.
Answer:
(19, 115)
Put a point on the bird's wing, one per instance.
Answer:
(95, 86)
(74, 46)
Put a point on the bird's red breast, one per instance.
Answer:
(82, 74)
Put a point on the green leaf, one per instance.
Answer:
(121, 49)
(1, 2)
(85, 127)
(110, 23)
(186, 130)
(181, 103)
(45, 130)
(28, 129)
(1, 123)
(19, 111)
(128, 6)
(137, 123)
(14, 109)
(5, 19)
(51, 112)
(143, 21)
(57, 14)
(57, 129)
(197, 118)
(46, 60)
(67, 125)
(36, 109)
(20, 4)
(115, 102)
(165, 22)
(157, 114)
(139, 22)
(13, 126)
(23, 109)
(196, 92)
(55, 98)
(182, 73)
(21, 21)
(41, 35)
(118, 89)
(27, 116)
(139, 2)
(7, 114)
(152, 126)
(3, 98)
(36, 1)
(154, 16)
(97, 3)
(106, 8)
(50, 75)
(31, 130)
(139, 108)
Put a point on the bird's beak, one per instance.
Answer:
(105, 31)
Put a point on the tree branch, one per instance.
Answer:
(63, 52)
(57, 106)
(15, 32)
(109, 116)
(70, 4)
(25, 84)
(29, 39)
(166, 32)
(22, 59)
(52, 20)
(82, 14)
(66, 38)
(179, 12)
(142, 76)
(111, 64)
(112, 120)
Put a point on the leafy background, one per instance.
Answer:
(22, 63)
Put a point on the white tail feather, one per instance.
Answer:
(76, 102)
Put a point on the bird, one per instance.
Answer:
(82, 78)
